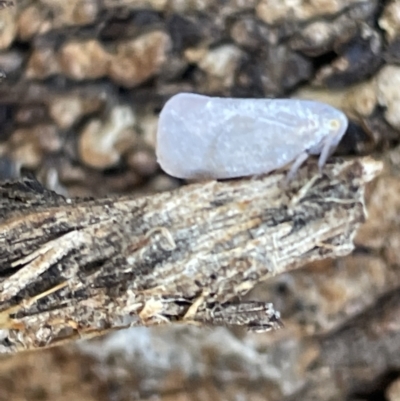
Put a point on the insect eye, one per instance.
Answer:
(334, 124)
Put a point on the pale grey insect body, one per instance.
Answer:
(210, 137)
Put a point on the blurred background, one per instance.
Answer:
(85, 81)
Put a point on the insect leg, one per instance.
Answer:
(327, 149)
(300, 159)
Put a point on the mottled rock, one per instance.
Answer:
(250, 33)
(393, 391)
(44, 137)
(317, 38)
(31, 114)
(44, 15)
(28, 145)
(42, 63)
(11, 62)
(84, 60)
(320, 37)
(274, 12)
(158, 5)
(271, 73)
(388, 81)
(184, 32)
(362, 99)
(334, 98)
(220, 65)
(143, 161)
(31, 22)
(80, 12)
(324, 35)
(148, 129)
(359, 59)
(161, 183)
(390, 20)
(122, 181)
(140, 59)
(182, 6)
(370, 346)
(8, 167)
(195, 54)
(101, 144)
(8, 26)
(384, 207)
(129, 24)
(67, 110)
(324, 296)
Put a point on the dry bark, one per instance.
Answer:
(79, 267)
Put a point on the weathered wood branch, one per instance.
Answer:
(72, 268)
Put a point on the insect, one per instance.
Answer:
(209, 137)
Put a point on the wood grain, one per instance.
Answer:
(73, 268)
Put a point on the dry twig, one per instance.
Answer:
(73, 268)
